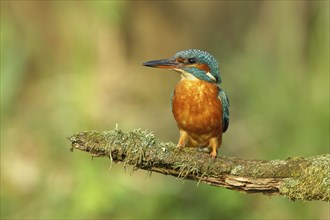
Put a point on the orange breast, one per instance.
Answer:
(197, 109)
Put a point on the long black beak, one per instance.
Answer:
(164, 63)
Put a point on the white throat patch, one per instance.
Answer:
(185, 75)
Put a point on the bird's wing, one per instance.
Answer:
(172, 95)
(225, 107)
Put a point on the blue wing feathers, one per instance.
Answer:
(225, 106)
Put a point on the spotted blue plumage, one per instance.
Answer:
(201, 57)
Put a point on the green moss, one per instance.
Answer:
(300, 178)
(311, 184)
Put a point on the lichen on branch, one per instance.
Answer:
(296, 178)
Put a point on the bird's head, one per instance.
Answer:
(191, 64)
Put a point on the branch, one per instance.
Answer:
(296, 178)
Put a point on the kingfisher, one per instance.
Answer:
(199, 105)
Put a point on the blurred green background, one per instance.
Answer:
(70, 66)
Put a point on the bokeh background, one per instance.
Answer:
(70, 66)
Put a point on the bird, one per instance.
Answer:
(199, 105)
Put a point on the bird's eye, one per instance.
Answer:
(191, 60)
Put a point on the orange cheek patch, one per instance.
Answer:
(180, 60)
(166, 67)
(204, 67)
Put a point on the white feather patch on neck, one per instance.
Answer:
(211, 76)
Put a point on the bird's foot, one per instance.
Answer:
(214, 154)
(183, 140)
(214, 144)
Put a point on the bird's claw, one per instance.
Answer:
(213, 154)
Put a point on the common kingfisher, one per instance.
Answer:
(200, 107)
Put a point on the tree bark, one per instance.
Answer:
(296, 178)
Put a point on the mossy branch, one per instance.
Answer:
(296, 178)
